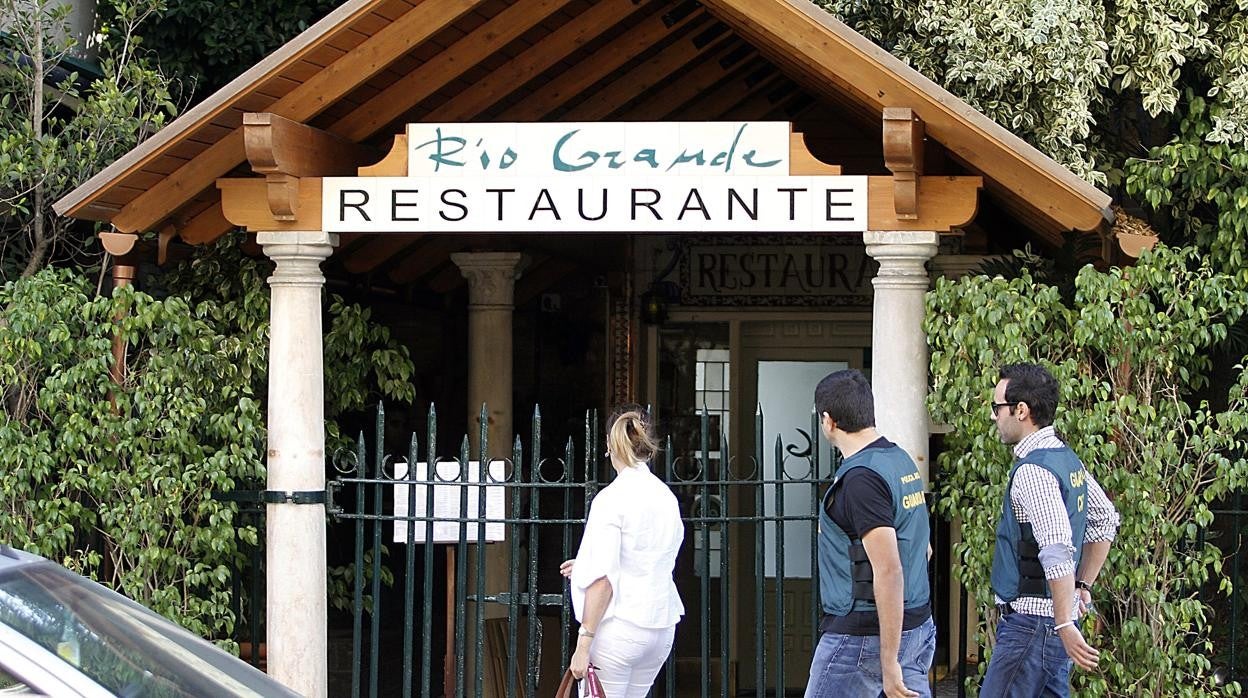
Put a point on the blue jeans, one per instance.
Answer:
(848, 666)
(1028, 660)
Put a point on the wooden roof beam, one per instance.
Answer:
(432, 75)
(500, 83)
(611, 57)
(730, 93)
(667, 100)
(305, 101)
(283, 151)
(649, 73)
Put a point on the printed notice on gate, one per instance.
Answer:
(449, 509)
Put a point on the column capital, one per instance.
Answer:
(298, 256)
(491, 277)
(902, 255)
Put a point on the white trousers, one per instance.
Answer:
(627, 657)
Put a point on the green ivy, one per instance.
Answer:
(56, 131)
(115, 480)
(1131, 354)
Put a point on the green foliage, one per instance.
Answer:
(1038, 69)
(115, 480)
(1069, 76)
(56, 132)
(1202, 186)
(1130, 355)
(210, 42)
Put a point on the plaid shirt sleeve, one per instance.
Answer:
(1103, 520)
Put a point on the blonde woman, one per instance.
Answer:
(622, 589)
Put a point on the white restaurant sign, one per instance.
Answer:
(654, 177)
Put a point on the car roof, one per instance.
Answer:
(11, 557)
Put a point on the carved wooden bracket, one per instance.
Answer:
(284, 150)
(167, 234)
(903, 154)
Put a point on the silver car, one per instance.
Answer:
(62, 634)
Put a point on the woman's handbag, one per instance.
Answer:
(593, 686)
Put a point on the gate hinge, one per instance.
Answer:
(304, 497)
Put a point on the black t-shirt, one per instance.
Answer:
(861, 503)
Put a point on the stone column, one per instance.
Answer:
(898, 344)
(491, 304)
(491, 297)
(296, 605)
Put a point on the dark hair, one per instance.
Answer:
(846, 397)
(1034, 385)
(630, 435)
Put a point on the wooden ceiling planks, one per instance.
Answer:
(432, 75)
(643, 76)
(618, 52)
(727, 94)
(300, 104)
(700, 77)
(519, 71)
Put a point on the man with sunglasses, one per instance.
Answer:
(1054, 534)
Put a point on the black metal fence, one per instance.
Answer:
(482, 609)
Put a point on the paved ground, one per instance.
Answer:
(947, 688)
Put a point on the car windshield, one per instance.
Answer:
(122, 646)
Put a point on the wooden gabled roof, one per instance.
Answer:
(373, 65)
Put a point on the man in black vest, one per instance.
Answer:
(878, 637)
(1054, 534)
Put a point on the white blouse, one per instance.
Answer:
(632, 537)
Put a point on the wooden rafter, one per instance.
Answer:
(602, 63)
(728, 94)
(300, 104)
(413, 88)
(732, 58)
(501, 82)
(650, 73)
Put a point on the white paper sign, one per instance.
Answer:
(447, 490)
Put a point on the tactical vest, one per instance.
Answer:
(1016, 568)
(845, 575)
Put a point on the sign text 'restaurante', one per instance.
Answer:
(596, 177)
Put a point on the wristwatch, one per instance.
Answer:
(583, 632)
(1080, 584)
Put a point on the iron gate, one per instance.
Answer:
(746, 518)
